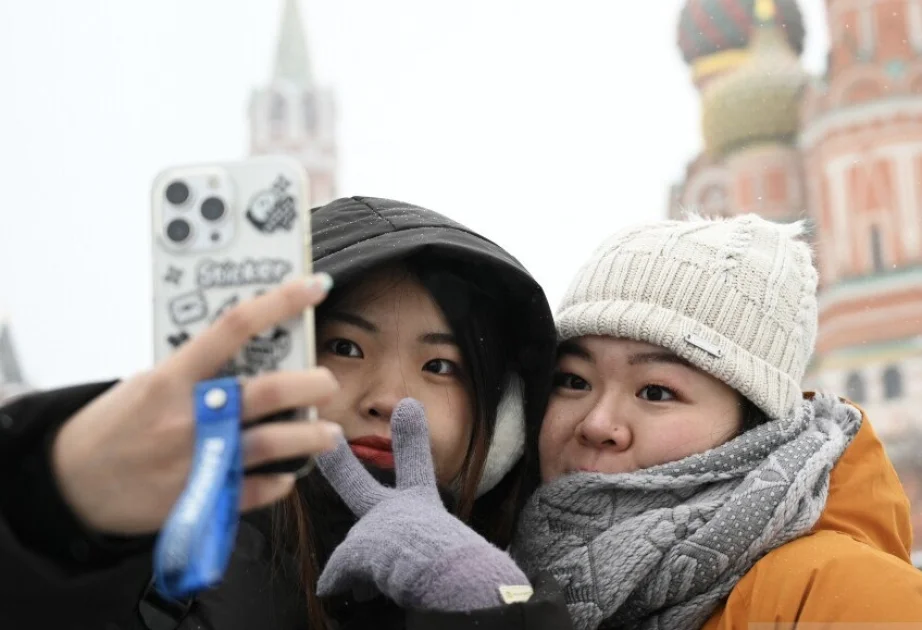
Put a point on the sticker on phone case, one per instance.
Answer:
(260, 354)
(188, 308)
(228, 304)
(265, 352)
(230, 368)
(173, 275)
(178, 339)
(230, 273)
(273, 209)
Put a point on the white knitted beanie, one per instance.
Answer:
(734, 297)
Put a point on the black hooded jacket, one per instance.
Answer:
(55, 574)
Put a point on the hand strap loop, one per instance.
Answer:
(196, 541)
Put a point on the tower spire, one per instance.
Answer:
(12, 382)
(293, 115)
(292, 63)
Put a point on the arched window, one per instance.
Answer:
(277, 108)
(854, 387)
(893, 383)
(309, 104)
(866, 35)
(877, 251)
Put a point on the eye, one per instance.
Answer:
(442, 367)
(657, 393)
(566, 380)
(343, 348)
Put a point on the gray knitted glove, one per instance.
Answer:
(406, 543)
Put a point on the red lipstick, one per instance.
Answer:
(374, 450)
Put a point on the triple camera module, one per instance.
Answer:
(212, 209)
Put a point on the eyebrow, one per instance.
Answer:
(658, 357)
(438, 339)
(430, 338)
(573, 349)
(353, 320)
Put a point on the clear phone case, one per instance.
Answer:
(224, 233)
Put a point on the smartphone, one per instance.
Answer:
(224, 233)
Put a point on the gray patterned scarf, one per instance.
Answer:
(662, 547)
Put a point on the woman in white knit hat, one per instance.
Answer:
(688, 482)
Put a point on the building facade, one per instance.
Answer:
(843, 150)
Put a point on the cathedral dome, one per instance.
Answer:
(760, 100)
(714, 34)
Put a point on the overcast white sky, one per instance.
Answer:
(544, 125)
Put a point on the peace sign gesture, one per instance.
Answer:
(406, 543)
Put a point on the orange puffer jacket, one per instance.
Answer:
(854, 565)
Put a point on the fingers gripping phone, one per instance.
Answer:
(224, 233)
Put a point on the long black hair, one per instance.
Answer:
(751, 415)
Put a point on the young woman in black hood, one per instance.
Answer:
(420, 306)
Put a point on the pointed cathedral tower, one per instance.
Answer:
(12, 381)
(292, 114)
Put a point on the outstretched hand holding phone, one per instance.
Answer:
(122, 461)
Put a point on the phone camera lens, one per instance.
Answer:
(212, 209)
(177, 193)
(178, 230)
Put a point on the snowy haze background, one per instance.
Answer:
(543, 125)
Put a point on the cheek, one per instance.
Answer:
(662, 444)
(682, 437)
(451, 422)
(338, 409)
(556, 432)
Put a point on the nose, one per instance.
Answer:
(382, 396)
(605, 427)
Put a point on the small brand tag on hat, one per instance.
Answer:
(516, 594)
(704, 344)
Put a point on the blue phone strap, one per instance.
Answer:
(195, 543)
